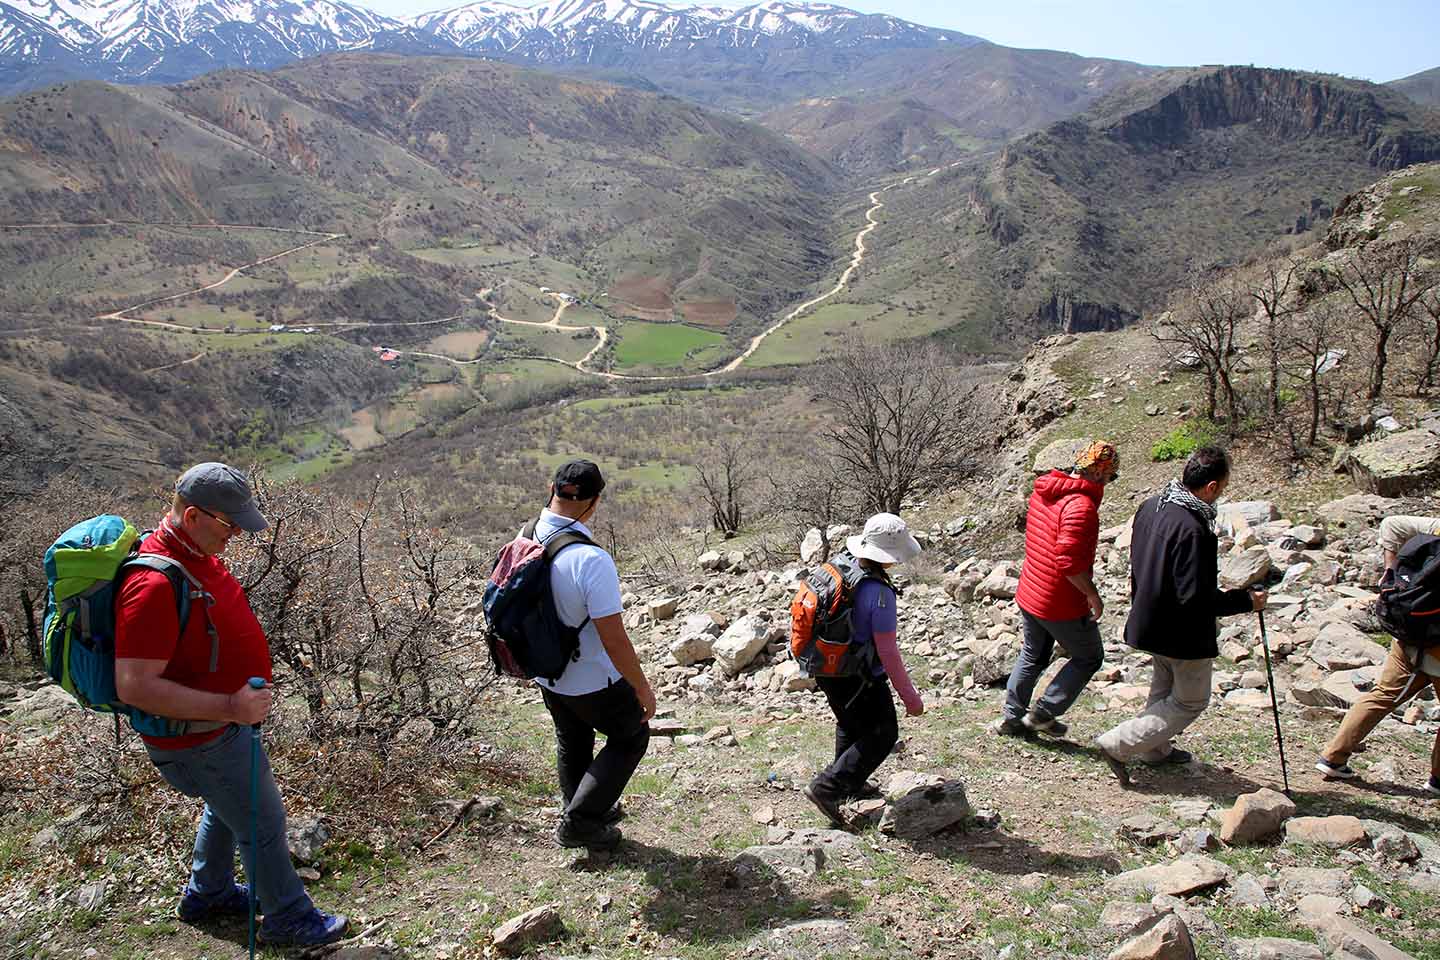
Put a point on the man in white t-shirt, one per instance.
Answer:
(603, 690)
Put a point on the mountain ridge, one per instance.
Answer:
(172, 40)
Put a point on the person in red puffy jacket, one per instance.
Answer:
(1057, 596)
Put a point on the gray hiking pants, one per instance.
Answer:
(1080, 639)
(1179, 693)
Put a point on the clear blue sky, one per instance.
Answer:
(1374, 39)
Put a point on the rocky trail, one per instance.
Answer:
(980, 847)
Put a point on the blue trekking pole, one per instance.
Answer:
(256, 683)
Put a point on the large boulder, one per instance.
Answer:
(1359, 511)
(1191, 873)
(741, 643)
(994, 661)
(812, 548)
(1342, 646)
(1395, 465)
(664, 608)
(1337, 831)
(1060, 455)
(999, 584)
(1166, 939)
(538, 926)
(1244, 568)
(1256, 816)
(919, 805)
(1276, 948)
(1232, 518)
(758, 864)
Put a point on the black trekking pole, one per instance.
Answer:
(1274, 704)
(253, 867)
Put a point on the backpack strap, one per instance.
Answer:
(556, 542)
(187, 587)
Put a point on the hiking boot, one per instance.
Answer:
(195, 908)
(1433, 785)
(826, 802)
(1039, 723)
(614, 815)
(1175, 757)
(1335, 771)
(604, 837)
(1116, 765)
(312, 929)
(1009, 727)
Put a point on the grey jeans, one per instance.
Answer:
(1080, 639)
(1179, 693)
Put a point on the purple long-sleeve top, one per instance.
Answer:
(873, 615)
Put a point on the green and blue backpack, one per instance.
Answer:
(84, 568)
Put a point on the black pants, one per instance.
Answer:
(590, 782)
(866, 729)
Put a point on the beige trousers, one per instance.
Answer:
(1399, 682)
(1179, 693)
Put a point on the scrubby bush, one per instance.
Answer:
(1182, 441)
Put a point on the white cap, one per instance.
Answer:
(886, 539)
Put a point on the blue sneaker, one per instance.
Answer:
(195, 908)
(312, 929)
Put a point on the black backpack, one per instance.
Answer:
(526, 636)
(1409, 603)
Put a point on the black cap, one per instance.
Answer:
(578, 480)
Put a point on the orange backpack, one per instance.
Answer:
(820, 633)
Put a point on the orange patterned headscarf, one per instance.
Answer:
(1099, 462)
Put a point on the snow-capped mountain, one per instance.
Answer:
(167, 40)
(593, 31)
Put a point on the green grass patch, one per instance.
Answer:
(662, 345)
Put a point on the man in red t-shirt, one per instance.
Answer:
(200, 675)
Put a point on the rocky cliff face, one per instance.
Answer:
(1064, 313)
(1284, 104)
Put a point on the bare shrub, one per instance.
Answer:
(1385, 281)
(358, 602)
(728, 470)
(907, 419)
(1202, 334)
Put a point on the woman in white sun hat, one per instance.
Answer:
(866, 726)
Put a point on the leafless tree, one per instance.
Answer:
(904, 421)
(1385, 281)
(1430, 303)
(728, 470)
(1271, 291)
(1312, 335)
(1203, 334)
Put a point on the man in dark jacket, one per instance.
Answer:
(1174, 603)
(1058, 600)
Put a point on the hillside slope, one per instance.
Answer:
(1086, 224)
(419, 151)
(1423, 87)
(932, 107)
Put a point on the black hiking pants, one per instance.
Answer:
(866, 729)
(591, 783)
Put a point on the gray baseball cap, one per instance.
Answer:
(218, 486)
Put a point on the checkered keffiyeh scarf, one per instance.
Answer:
(1176, 493)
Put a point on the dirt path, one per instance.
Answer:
(582, 365)
(179, 363)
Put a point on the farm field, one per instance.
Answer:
(651, 346)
